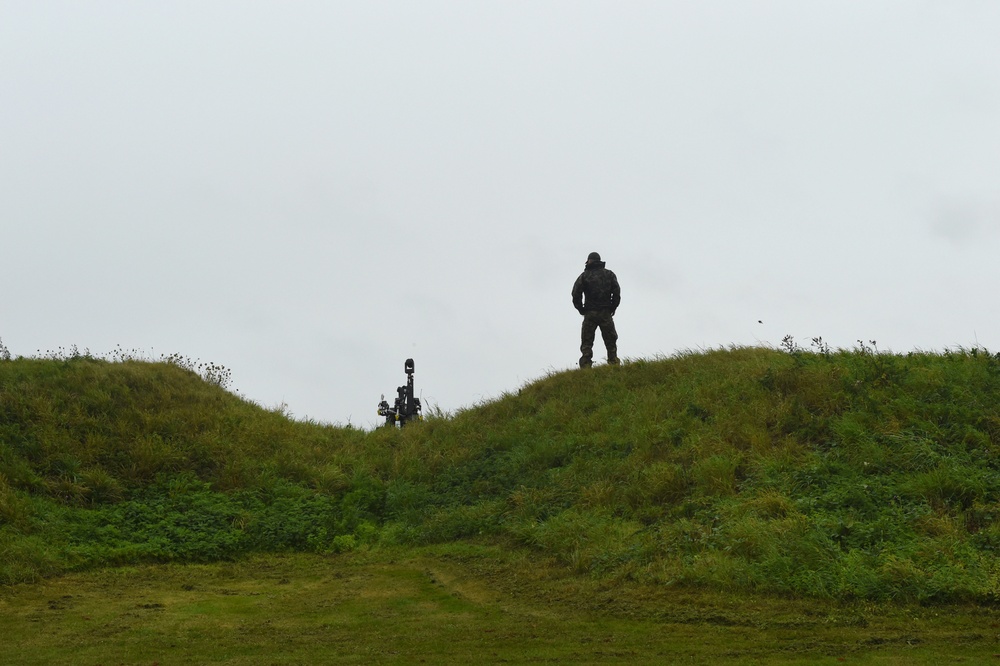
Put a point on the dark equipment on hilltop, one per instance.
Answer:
(406, 407)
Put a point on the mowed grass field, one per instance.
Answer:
(453, 605)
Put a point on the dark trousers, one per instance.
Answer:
(592, 320)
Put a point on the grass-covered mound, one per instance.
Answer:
(105, 462)
(835, 474)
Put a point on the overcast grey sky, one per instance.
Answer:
(311, 192)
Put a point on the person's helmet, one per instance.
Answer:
(592, 257)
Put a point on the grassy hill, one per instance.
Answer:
(832, 474)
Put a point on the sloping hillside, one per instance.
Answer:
(834, 474)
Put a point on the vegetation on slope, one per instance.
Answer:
(838, 474)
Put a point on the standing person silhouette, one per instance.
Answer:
(600, 287)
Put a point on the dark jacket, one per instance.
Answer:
(600, 286)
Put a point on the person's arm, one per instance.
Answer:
(578, 294)
(616, 294)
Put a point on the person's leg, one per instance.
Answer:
(587, 333)
(610, 335)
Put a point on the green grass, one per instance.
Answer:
(830, 475)
(452, 605)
